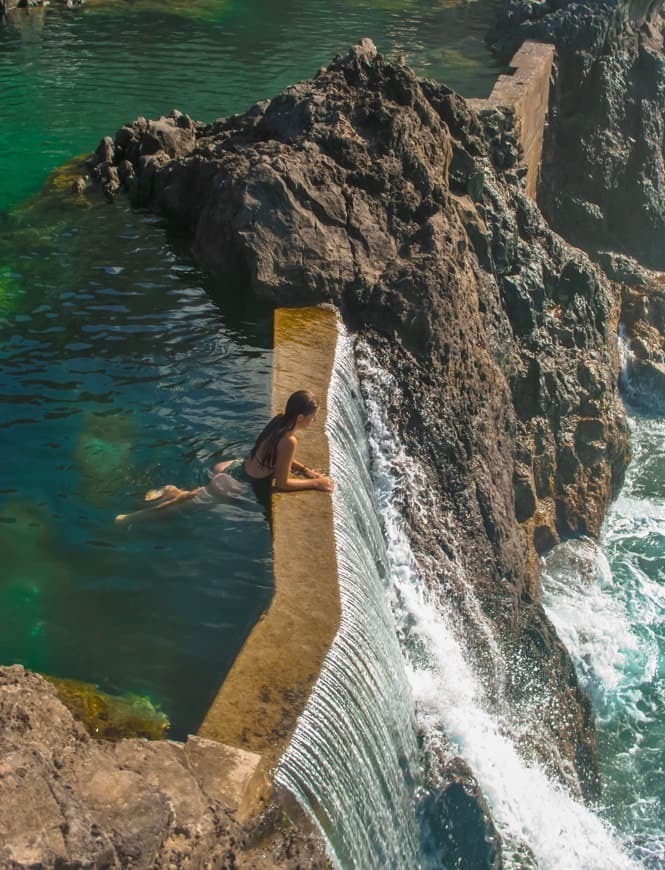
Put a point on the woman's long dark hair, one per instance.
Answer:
(265, 449)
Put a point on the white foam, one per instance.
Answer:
(526, 805)
(592, 623)
(350, 761)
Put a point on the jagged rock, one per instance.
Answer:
(603, 172)
(643, 319)
(78, 186)
(391, 198)
(459, 821)
(8, 5)
(67, 800)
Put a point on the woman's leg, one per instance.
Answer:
(219, 467)
(163, 493)
(167, 496)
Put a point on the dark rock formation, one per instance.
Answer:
(389, 197)
(459, 823)
(643, 319)
(67, 800)
(603, 174)
(30, 4)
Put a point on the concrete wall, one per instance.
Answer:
(265, 692)
(526, 92)
(270, 682)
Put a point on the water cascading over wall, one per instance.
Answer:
(461, 708)
(352, 760)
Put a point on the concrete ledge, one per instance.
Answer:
(268, 686)
(225, 773)
(527, 93)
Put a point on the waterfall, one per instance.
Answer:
(351, 761)
(401, 665)
(540, 823)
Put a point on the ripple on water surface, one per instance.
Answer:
(69, 78)
(119, 372)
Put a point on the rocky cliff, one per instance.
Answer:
(67, 800)
(389, 197)
(603, 177)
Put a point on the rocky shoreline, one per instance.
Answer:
(603, 174)
(391, 198)
(68, 800)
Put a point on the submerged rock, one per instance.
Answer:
(111, 717)
(391, 198)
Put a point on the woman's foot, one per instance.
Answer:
(164, 492)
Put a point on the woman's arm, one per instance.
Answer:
(286, 450)
(301, 468)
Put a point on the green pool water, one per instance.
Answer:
(120, 372)
(70, 77)
(122, 366)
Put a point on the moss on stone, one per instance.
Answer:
(111, 716)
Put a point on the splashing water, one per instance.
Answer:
(607, 603)
(535, 815)
(351, 762)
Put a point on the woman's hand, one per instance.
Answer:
(310, 472)
(325, 484)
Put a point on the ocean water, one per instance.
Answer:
(122, 366)
(607, 602)
(459, 713)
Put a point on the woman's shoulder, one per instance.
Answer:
(288, 439)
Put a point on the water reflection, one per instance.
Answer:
(119, 372)
(78, 76)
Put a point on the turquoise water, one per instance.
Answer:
(608, 604)
(120, 372)
(68, 78)
(123, 367)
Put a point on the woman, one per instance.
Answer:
(271, 458)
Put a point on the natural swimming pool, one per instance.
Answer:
(119, 372)
(123, 366)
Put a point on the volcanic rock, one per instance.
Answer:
(67, 800)
(603, 172)
(391, 198)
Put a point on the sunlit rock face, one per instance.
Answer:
(603, 178)
(67, 800)
(391, 198)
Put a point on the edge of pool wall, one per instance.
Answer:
(526, 91)
(257, 707)
(269, 684)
